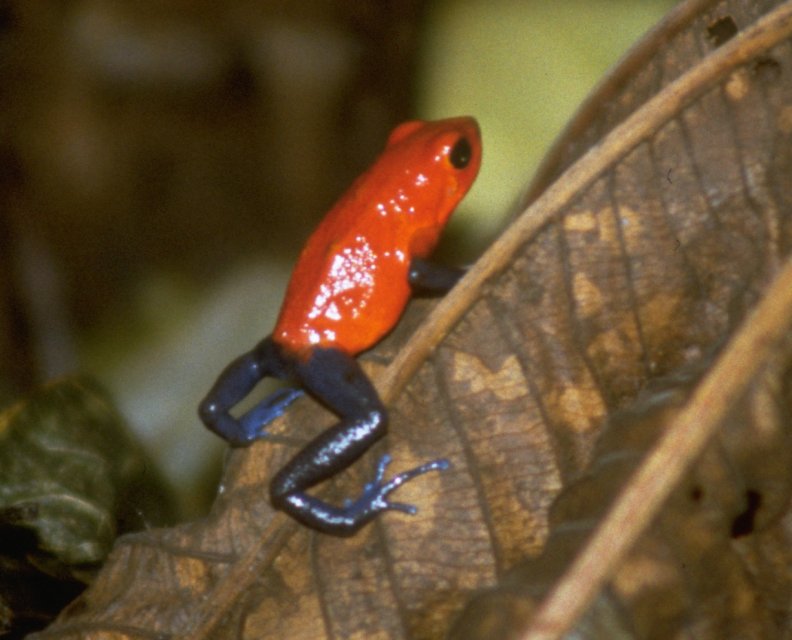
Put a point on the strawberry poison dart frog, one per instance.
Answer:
(348, 289)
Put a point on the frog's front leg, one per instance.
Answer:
(337, 380)
(233, 385)
(428, 278)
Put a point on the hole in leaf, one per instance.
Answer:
(722, 30)
(743, 524)
(696, 494)
(767, 68)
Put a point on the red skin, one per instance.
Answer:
(350, 284)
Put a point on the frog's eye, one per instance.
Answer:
(460, 154)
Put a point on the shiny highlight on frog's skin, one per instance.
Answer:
(351, 272)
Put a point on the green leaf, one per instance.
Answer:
(65, 462)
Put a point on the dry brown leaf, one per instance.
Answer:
(690, 572)
(650, 248)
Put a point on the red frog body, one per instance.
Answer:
(351, 284)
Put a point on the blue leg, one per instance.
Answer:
(234, 384)
(337, 381)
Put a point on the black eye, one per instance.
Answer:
(460, 154)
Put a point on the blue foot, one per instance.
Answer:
(273, 406)
(372, 500)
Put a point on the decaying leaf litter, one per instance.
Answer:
(647, 253)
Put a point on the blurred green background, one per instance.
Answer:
(523, 68)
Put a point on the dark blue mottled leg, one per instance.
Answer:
(427, 278)
(337, 380)
(233, 385)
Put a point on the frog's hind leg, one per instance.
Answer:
(233, 385)
(337, 380)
